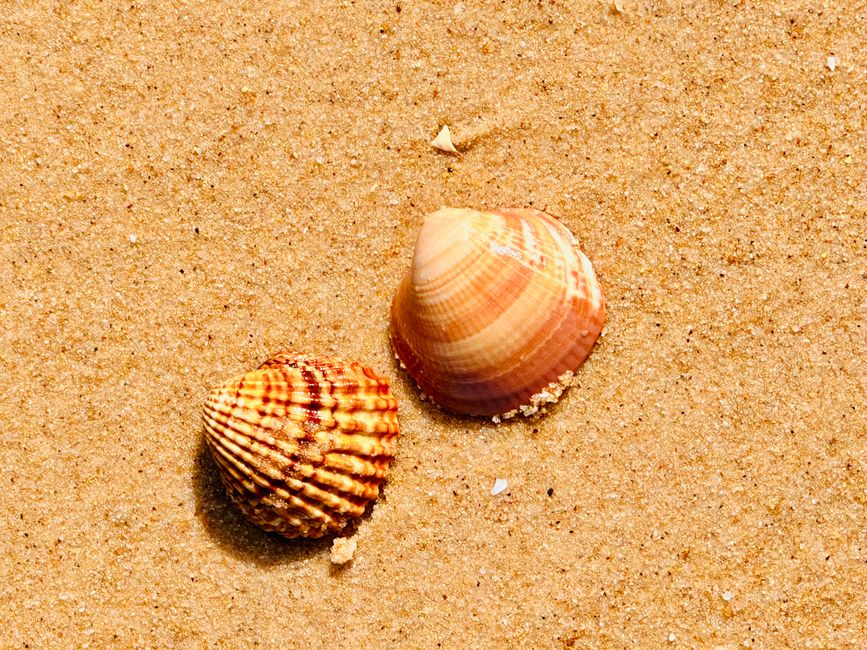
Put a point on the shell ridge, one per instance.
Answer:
(243, 474)
(289, 489)
(241, 459)
(290, 502)
(320, 499)
(246, 440)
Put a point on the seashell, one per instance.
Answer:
(302, 443)
(497, 311)
(443, 141)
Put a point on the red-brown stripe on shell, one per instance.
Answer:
(497, 311)
(302, 443)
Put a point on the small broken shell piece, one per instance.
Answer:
(496, 312)
(302, 443)
(343, 550)
(443, 141)
(500, 485)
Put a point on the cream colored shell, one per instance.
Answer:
(302, 443)
(497, 311)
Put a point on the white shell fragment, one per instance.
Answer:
(831, 63)
(499, 486)
(343, 550)
(443, 141)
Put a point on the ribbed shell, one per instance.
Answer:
(497, 308)
(302, 443)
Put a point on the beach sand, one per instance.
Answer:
(188, 187)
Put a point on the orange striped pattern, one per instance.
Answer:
(302, 443)
(496, 307)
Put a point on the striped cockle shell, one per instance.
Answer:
(497, 311)
(302, 443)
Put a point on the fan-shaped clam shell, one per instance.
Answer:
(302, 443)
(497, 311)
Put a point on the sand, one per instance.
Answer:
(187, 187)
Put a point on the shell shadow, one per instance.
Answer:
(225, 524)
